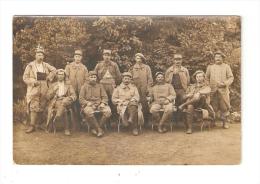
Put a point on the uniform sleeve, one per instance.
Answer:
(136, 95)
(104, 98)
(115, 96)
(208, 74)
(51, 92)
(52, 71)
(150, 77)
(86, 74)
(96, 70)
(150, 94)
(26, 76)
(167, 76)
(71, 97)
(118, 74)
(188, 76)
(230, 77)
(83, 102)
(172, 93)
(67, 71)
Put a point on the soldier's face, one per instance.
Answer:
(160, 78)
(178, 61)
(106, 57)
(77, 58)
(61, 76)
(200, 77)
(218, 59)
(92, 79)
(39, 56)
(126, 80)
(138, 59)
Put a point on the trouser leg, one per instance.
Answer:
(132, 115)
(33, 121)
(189, 118)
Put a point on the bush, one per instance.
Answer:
(158, 38)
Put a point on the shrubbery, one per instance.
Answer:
(158, 38)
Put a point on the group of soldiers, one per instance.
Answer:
(133, 97)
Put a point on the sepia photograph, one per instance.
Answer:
(127, 90)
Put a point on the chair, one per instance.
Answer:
(202, 118)
(85, 122)
(161, 111)
(51, 123)
(140, 117)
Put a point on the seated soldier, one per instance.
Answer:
(62, 95)
(126, 98)
(93, 98)
(197, 96)
(162, 96)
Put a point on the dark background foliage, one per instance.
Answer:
(157, 37)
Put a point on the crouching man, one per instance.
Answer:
(197, 97)
(162, 96)
(126, 98)
(93, 98)
(61, 96)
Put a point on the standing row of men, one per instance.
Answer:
(132, 95)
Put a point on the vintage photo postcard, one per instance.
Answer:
(127, 90)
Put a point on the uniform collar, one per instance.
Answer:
(138, 66)
(172, 68)
(122, 85)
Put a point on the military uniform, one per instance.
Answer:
(197, 97)
(108, 75)
(159, 94)
(77, 74)
(94, 98)
(62, 95)
(143, 80)
(179, 79)
(37, 76)
(126, 98)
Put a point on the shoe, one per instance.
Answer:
(30, 130)
(162, 129)
(100, 133)
(189, 131)
(226, 125)
(135, 132)
(67, 132)
(93, 131)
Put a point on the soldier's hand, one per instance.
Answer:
(221, 85)
(166, 102)
(89, 103)
(37, 83)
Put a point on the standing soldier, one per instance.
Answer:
(62, 95)
(108, 75)
(126, 98)
(37, 74)
(143, 80)
(179, 77)
(77, 73)
(162, 96)
(220, 77)
(93, 98)
(197, 96)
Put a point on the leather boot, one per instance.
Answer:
(189, 120)
(166, 116)
(93, 123)
(33, 118)
(103, 121)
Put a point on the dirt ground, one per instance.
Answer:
(217, 146)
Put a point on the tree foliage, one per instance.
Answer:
(157, 37)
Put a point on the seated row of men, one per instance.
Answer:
(95, 91)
